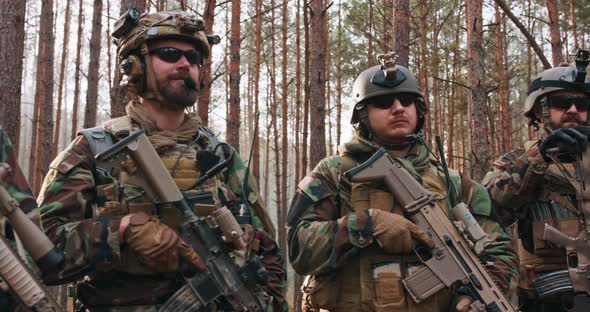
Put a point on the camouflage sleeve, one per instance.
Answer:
(65, 201)
(320, 239)
(272, 255)
(515, 180)
(16, 184)
(499, 257)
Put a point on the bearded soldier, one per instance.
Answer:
(124, 246)
(530, 189)
(353, 238)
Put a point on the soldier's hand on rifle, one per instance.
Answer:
(157, 246)
(396, 234)
(463, 303)
(566, 142)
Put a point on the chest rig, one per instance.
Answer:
(371, 280)
(557, 207)
(117, 186)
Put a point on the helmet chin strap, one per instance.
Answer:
(152, 90)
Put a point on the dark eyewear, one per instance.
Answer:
(565, 101)
(386, 101)
(172, 55)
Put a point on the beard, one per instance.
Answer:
(177, 96)
(567, 118)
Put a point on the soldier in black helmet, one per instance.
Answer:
(353, 238)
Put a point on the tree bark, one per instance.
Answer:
(503, 84)
(476, 98)
(12, 36)
(93, 66)
(317, 81)
(306, 98)
(62, 72)
(339, 80)
(44, 93)
(556, 44)
(205, 92)
(574, 26)
(258, 44)
(423, 73)
(525, 32)
(370, 25)
(233, 124)
(75, 109)
(283, 205)
(401, 31)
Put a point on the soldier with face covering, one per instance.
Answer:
(353, 238)
(123, 246)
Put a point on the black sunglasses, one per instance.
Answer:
(386, 101)
(172, 55)
(565, 101)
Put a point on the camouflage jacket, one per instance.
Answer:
(323, 237)
(75, 214)
(527, 190)
(18, 188)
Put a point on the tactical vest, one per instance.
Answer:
(556, 207)
(371, 280)
(118, 182)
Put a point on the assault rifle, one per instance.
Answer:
(20, 279)
(224, 283)
(577, 276)
(452, 261)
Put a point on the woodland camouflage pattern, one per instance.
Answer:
(18, 188)
(323, 238)
(532, 192)
(72, 191)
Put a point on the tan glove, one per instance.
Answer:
(396, 234)
(156, 245)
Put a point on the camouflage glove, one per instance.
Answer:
(396, 234)
(156, 245)
(568, 141)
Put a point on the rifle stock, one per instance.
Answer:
(451, 261)
(21, 280)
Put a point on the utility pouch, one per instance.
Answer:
(323, 291)
(388, 292)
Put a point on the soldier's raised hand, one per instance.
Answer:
(566, 141)
(157, 246)
(396, 234)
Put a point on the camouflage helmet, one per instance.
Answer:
(132, 30)
(570, 77)
(386, 79)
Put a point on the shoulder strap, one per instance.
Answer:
(99, 141)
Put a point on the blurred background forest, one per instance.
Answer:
(294, 61)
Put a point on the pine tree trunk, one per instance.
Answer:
(476, 99)
(62, 72)
(370, 25)
(12, 36)
(44, 93)
(93, 66)
(75, 109)
(503, 84)
(233, 124)
(258, 44)
(317, 82)
(306, 83)
(108, 48)
(574, 26)
(453, 99)
(297, 93)
(423, 73)
(205, 92)
(556, 44)
(283, 205)
(401, 31)
(434, 62)
(339, 80)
